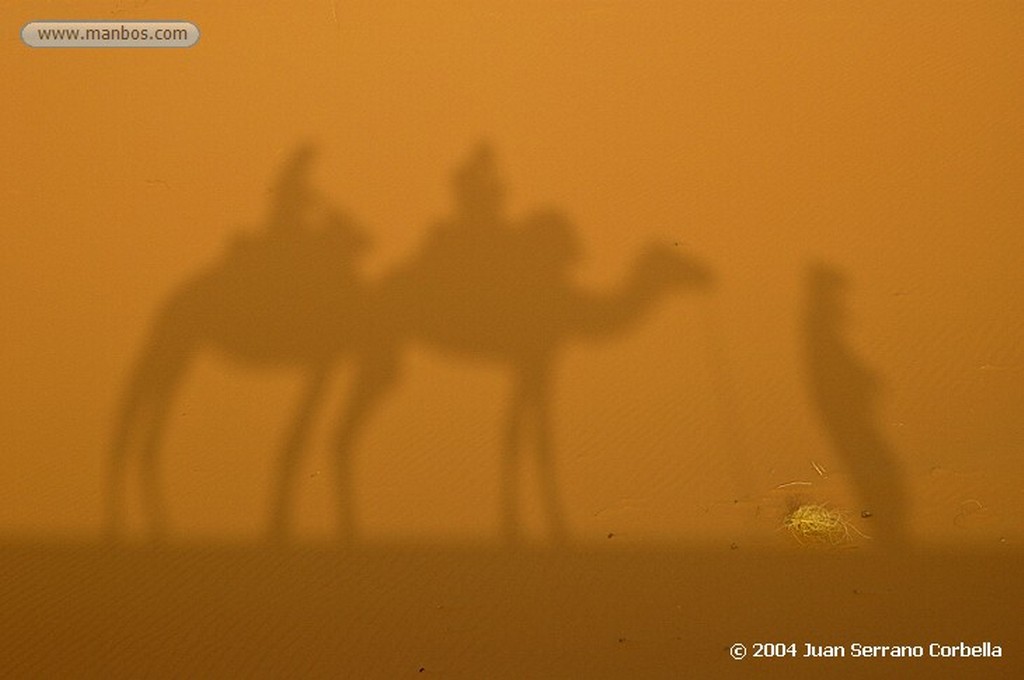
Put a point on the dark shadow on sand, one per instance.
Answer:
(845, 393)
(661, 611)
(481, 285)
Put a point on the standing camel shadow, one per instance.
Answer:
(479, 286)
(272, 299)
(485, 288)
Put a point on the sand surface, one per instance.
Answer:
(85, 610)
(553, 310)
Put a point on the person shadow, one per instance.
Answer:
(845, 393)
(480, 286)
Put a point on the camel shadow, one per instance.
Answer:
(845, 394)
(480, 286)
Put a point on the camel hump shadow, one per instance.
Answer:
(480, 285)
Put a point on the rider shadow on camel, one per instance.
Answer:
(479, 286)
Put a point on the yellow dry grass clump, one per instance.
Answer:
(818, 524)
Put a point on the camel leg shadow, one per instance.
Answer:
(377, 375)
(291, 454)
(530, 405)
(142, 422)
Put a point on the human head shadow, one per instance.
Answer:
(845, 395)
(480, 286)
